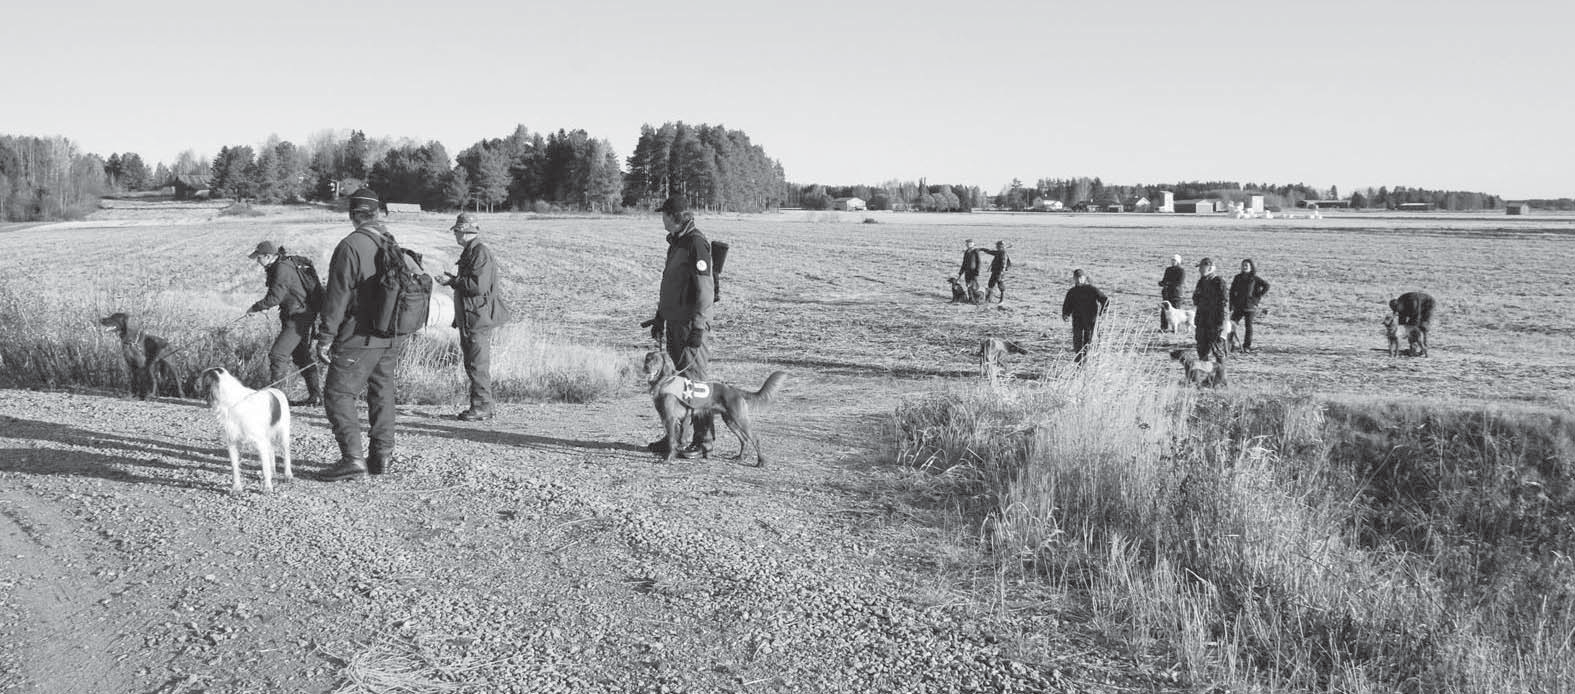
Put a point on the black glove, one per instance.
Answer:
(655, 324)
(696, 338)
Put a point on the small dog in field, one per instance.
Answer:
(1178, 318)
(1198, 372)
(144, 355)
(256, 418)
(677, 397)
(991, 350)
(959, 292)
(1415, 337)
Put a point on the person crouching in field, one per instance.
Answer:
(1211, 306)
(478, 309)
(1245, 292)
(1083, 305)
(1170, 289)
(293, 345)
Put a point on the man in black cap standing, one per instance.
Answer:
(357, 359)
(683, 312)
(969, 272)
(478, 309)
(296, 316)
(1211, 312)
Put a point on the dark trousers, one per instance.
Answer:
(1082, 338)
(972, 282)
(353, 370)
(475, 345)
(693, 363)
(997, 279)
(1210, 346)
(1245, 315)
(294, 346)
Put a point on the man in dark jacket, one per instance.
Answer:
(293, 345)
(1245, 291)
(683, 313)
(1083, 305)
(1170, 289)
(999, 264)
(357, 359)
(1414, 308)
(1211, 305)
(478, 310)
(969, 272)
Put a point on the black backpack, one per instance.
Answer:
(406, 296)
(309, 281)
(718, 257)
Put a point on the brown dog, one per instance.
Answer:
(991, 350)
(677, 398)
(145, 356)
(1201, 373)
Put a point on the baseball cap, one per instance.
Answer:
(1205, 262)
(465, 222)
(263, 249)
(365, 199)
(674, 205)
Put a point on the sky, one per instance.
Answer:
(1440, 94)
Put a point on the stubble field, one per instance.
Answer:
(544, 551)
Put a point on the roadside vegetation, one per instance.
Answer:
(1273, 540)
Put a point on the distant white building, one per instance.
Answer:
(1166, 202)
(1048, 205)
(850, 204)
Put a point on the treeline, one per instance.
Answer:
(46, 178)
(895, 195)
(1070, 191)
(710, 166)
(1392, 198)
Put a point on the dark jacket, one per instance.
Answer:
(1083, 304)
(999, 264)
(286, 291)
(1170, 285)
(1414, 308)
(476, 300)
(687, 288)
(1246, 290)
(1210, 303)
(970, 263)
(351, 290)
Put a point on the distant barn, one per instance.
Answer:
(1048, 205)
(1194, 207)
(190, 186)
(1415, 207)
(407, 207)
(850, 204)
(1518, 208)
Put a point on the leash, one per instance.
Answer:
(183, 348)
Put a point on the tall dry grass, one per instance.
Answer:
(1273, 541)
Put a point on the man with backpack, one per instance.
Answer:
(293, 287)
(478, 309)
(356, 341)
(683, 314)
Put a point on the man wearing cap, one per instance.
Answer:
(683, 313)
(999, 264)
(1083, 305)
(478, 309)
(1211, 311)
(296, 316)
(969, 272)
(1170, 289)
(357, 359)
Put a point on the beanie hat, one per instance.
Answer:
(265, 248)
(365, 199)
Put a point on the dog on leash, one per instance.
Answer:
(1176, 317)
(959, 292)
(1197, 371)
(145, 356)
(1415, 337)
(256, 418)
(677, 397)
(991, 350)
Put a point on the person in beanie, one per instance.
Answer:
(478, 310)
(293, 345)
(999, 264)
(357, 360)
(1083, 305)
(683, 313)
(1210, 310)
(1170, 289)
(969, 272)
(1245, 291)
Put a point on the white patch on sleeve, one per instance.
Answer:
(700, 265)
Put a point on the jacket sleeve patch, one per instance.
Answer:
(701, 266)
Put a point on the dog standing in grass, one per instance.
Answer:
(1199, 372)
(259, 419)
(677, 398)
(991, 351)
(145, 356)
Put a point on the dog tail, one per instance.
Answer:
(767, 392)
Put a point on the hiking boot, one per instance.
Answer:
(310, 401)
(378, 464)
(694, 450)
(347, 469)
(475, 415)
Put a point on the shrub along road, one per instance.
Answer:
(541, 551)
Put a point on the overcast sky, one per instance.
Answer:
(1439, 94)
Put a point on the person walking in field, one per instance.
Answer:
(969, 272)
(1211, 305)
(999, 264)
(1083, 305)
(478, 310)
(683, 314)
(287, 289)
(1170, 289)
(1245, 292)
(357, 358)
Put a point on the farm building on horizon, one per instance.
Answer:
(1195, 206)
(1167, 202)
(1137, 203)
(1415, 207)
(1048, 205)
(1517, 208)
(1323, 204)
(849, 204)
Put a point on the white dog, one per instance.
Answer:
(1177, 317)
(259, 418)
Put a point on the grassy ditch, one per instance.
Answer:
(1277, 542)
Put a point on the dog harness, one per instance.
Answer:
(686, 391)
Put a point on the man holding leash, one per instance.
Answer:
(1170, 289)
(478, 310)
(357, 359)
(293, 345)
(1211, 308)
(683, 313)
